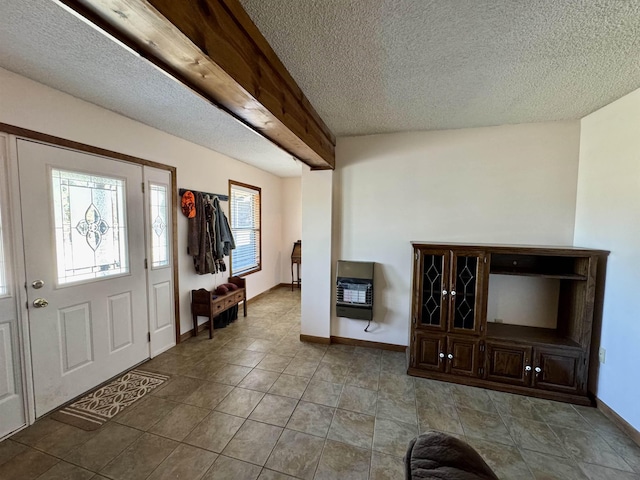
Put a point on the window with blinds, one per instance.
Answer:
(244, 210)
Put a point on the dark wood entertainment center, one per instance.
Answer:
(453, 340)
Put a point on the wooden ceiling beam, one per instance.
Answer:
(214, 48)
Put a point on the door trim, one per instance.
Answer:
(20, 277)
(16, 272)
(82, 147)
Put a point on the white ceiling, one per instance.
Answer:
(42, 41)
(372, 66)
(368, 66)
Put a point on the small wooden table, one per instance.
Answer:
(205, 303)
(296, 259)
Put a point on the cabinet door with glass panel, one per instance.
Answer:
(449, 288)
(432, 288)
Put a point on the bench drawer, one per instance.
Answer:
(217, 306)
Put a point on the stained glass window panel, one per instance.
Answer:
(466, 282)
(90, 226)
(432, 289)
(159, 218)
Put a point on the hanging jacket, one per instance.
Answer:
(201, 234)
(224, 238)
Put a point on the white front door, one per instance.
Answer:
(12, 412)
(159, 259)
(83, 227)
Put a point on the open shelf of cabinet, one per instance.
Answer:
(529, 335)
(533, 273)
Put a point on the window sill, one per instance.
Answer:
(247, 272)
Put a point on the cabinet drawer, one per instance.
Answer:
(230, 302)
(217, 306)
(238, 296)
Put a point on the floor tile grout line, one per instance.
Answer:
(289, 338)
(617, 452)
(132, 444)
(515, 443)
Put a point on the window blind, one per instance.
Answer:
(245, 226)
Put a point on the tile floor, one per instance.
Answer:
(256, 403)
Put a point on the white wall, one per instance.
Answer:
(31, 105)
(608, 217)
(316, 252)
(507, 184)
(291, 222)
(529, 301)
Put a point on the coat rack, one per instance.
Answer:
(222, 198)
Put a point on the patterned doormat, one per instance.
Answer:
(95, 408)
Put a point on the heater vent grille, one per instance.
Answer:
(351, 293)
(354, 290)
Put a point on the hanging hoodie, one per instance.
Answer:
(224, 237)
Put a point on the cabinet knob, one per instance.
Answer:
(450, 356)
(527, 368)
(441, 355)
(453, 293)
(538, 370)
(444, 292)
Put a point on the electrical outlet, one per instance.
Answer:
(602, 353)
(497, 320)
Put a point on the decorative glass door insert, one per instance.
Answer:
(159, 207)
(90, 226)
(466, 285)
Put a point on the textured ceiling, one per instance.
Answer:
(368, 66)
(372, 66)
(42, 41)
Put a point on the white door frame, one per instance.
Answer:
(13, 264)
(12, 133)
(20, 279)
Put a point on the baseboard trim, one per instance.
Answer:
(312, 339)
(189, 333)
(352, 341)
(366, 343)
(260, 295)
(620, 422)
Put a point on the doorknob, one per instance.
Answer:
(40, 303)
(38, 284)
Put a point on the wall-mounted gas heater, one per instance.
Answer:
(354, 290)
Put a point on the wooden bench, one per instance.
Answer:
(205, 303)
